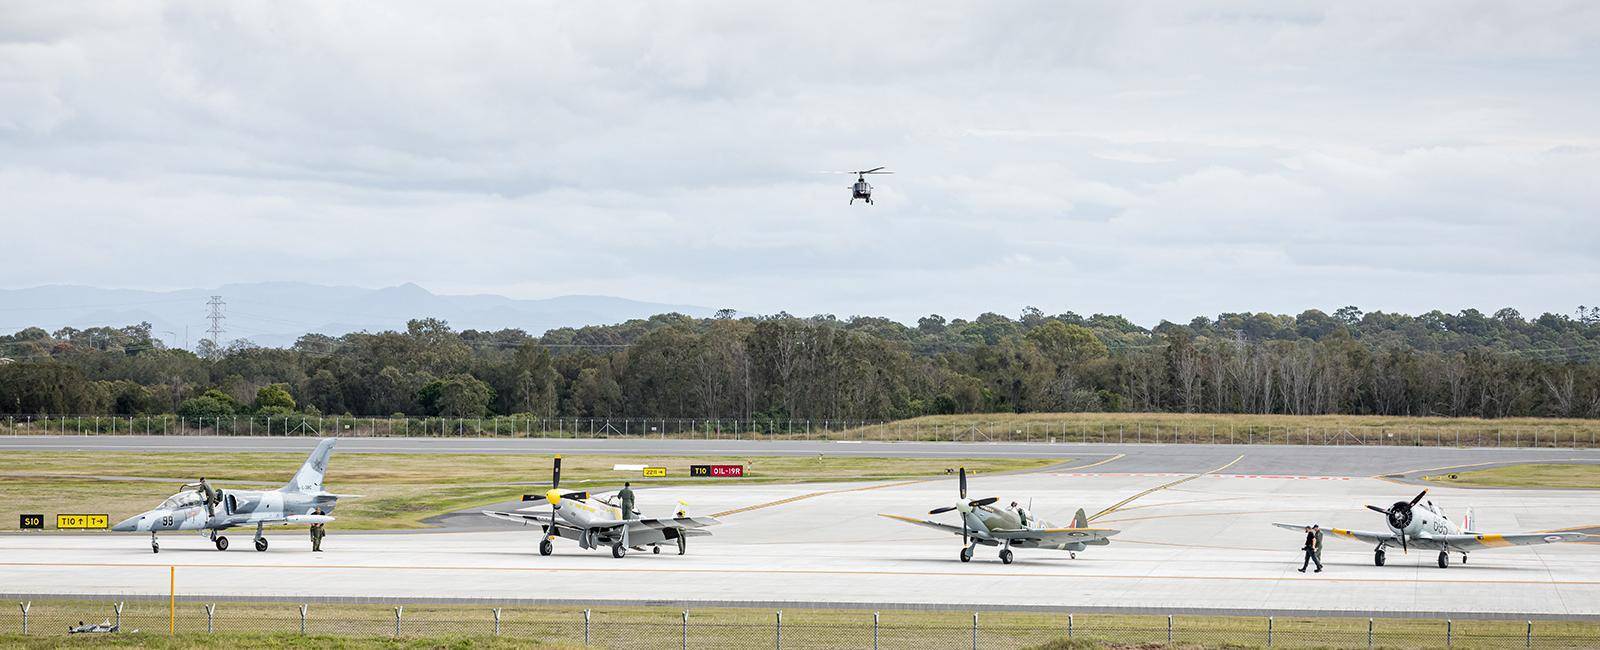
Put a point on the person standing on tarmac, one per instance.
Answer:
(317, 533)
(1313, 548)
(626, 498)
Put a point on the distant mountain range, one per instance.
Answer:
(274, 314)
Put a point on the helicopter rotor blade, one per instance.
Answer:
(870, 171)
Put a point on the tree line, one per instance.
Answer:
(822, 367)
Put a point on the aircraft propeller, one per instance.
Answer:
(1399, 516)
(964, 505)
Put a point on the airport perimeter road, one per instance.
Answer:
(1258, 459)
(1203, 545)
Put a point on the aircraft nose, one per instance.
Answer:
(554, 497)
(128, 525)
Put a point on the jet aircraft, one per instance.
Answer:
(982, 523)
(199, 507)
(1423, 525)
(599, 521)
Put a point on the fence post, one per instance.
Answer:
(586, 628)
(118, 607)
(397, 620)
(1169, 629)
(302, 619)
(1528, 641)
(685, 637)
(211, 610)
(496, 621)
(874, 631)
(1369, 634)
(1449, 633)
(974, 631)
(779, 629)
(25, 606)
(1069, 627)
(1269, 631)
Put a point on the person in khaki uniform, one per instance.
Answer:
(317, 533)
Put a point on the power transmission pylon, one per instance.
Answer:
(216, 324)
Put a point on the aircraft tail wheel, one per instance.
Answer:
(222, 543)
(1073, 555)
(966, 554)
(618, 550)
(655, 549)
(545, 547)
(261, 543)
(1377, 558)
(1005, 556)
(1444, 559)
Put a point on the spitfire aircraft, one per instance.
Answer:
(598, 521)
(200, 507)
(1425, 526)
(982, 523)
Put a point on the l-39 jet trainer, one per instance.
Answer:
(982, 523)
(598, 521)
(1425, 526)
(200, 507)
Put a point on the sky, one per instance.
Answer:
(1160, 160)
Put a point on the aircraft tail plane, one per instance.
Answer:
(309, 478)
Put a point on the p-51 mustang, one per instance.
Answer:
(199, 507)
(981, 523)
(1425, 526)
(599, 521)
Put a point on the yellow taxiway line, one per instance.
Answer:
(1158, 488)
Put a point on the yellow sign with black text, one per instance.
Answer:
(655, 472)
(82, 522)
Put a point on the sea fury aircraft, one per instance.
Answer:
(200, 507)
(1425, 526)
(1011, 527)
(599, 521)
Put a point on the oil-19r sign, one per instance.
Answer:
(717, 471)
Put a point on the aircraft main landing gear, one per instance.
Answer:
(155, 546)
(966, 554)
(261, 543)
(222, 543)
(1005, 556)
(618, 550)
(545, 547)
(1377, 557)
(1444, 559)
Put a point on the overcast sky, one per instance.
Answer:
(1159, 160)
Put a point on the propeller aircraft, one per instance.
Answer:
(301, 501)
(1425, 526)
(599, 521)
(982, 523)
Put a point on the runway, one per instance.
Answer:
(1205, 545)
(1259, 459)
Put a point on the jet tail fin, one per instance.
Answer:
(309, 478)
(1080, 520)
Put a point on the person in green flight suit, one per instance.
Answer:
(626, 498)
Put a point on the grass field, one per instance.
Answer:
(399, 490)
(277, 625)
(1534, 475)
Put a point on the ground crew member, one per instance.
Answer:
(317, 533)
(626, 497)
(1313, 548)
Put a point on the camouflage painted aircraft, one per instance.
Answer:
(1425, 526)
(599, 521)
(1011, 527)
(199, 507)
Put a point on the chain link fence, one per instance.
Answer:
(658, 627)
(965, 430)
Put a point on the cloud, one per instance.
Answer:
(1159, 160)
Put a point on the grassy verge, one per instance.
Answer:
(1535, 475)
(400, 490)
(277, 625)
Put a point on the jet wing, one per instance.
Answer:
(1473, 541)
(1052, 535)
(1357, 535)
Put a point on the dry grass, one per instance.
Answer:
(1535, 475)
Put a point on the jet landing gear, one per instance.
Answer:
(261, 542)
(1377, 557)
(220, 540)
(155, 546)
(966, 553)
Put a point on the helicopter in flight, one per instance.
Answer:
(861, 189)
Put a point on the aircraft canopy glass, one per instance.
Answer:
(182, 500)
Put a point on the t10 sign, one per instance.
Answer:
(717, 471)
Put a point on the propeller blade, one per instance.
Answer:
(576, 495)
(870, 171)
(555, 474)
(964, 541)
(939, 510)
(963, 483)
(1419, 497)
(984, 501)
(1376, 509)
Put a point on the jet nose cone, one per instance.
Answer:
(128, 525)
